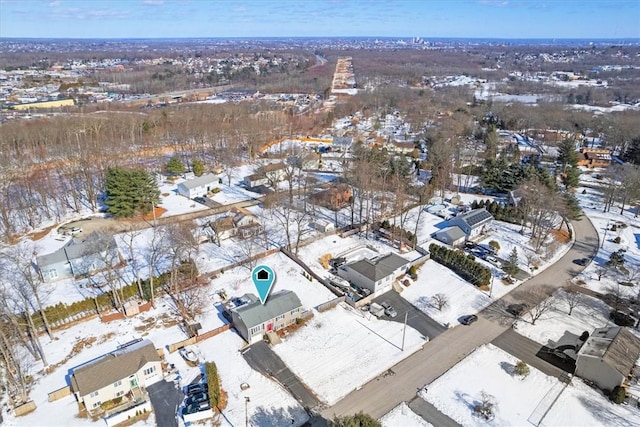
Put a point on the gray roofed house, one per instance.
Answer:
(116, 373)
(473, 222)
(198, 187)
(253, 319)
(453, 236)
(608, 356)
(375, 274)
(79, 256)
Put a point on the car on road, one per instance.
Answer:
(75, 230)
(517, 309)
(468, 319)
(582, 261)
(388, 310)
(195, 388)
(492, 259)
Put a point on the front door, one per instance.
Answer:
(270, 327)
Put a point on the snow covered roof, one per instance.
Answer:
(254, 313)
(199, 181)
(476, 217)
(78, 248)
(112, 367)
(453, 233)
(615, 345)
(380, 267)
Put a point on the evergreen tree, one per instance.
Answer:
(632, 154)
(130, 191)
(573, 209)
(571, 177)
(567, 154)
(175, 166)
(357, 420)
(511, 266)
(198, 167)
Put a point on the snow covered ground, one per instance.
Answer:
(489, 369)
(403, 416)
(341, 349)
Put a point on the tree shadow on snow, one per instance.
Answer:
(278, 417)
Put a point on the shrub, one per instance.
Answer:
(213, 383)
(584, 191)
(413, 270)
(495, 246)
(324, 261)
(618, 394)
(614, 227)
(521, 369)
(617, 239)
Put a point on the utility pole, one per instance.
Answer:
(246, 411)
(404, 330)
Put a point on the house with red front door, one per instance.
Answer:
(253, 320)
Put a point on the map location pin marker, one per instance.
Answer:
(263, 278)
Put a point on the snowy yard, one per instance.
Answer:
(340, 350)
(518, 400)
(403, 416)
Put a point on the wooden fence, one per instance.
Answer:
(330, 304)
(198, 338)
(59, 393)
(25, 408)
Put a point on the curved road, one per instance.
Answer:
(382, 394)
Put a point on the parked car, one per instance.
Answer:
(582, 261)
(196, 388)
(76, 230)
(388, 310)
(468, 319)
(200, 200)
(376, 309)
(196, 398)
(195, 407)
(517, 309)
(492, 259)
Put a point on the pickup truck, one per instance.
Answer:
(376, 309)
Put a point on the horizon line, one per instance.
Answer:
(323, 37)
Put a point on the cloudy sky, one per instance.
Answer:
(588, 19)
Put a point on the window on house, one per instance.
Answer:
(280, 317)
(98, 403)
(52, 274)
(117, 384)
(94, 394)
(150, 370)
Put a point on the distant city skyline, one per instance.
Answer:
(507, 19)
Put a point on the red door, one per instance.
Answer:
(270, 327)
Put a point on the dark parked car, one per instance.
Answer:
(195, 389)
(195, 407)
(196, 398)
(200, 200)
(582, 261)
(469, 319)
(517, 309)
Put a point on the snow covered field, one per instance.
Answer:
(518, 400)
(403, 416)
(341, 349)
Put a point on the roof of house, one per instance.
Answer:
(273, 167)
(255, 313)
(453, 233)
(77, 248)
(380, 267)
(615, 345)
(199, 181)
(476, 217)
(112, 367)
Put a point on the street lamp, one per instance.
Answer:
(246, 410)
(605, 235)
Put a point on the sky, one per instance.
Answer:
(511, 19)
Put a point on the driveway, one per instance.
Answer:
(261, 358)
(416, 319)
(165, 400)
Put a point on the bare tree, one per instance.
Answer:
(132, 256)
(545, 305)
(440, 301)
(573, 298)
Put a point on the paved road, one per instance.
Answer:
(165, 399)
(380, 395)
(526, 350)
(416, 319)
(261, 358)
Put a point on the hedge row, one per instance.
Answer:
(213, 383)
(461, 264)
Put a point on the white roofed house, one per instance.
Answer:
(79, 256)
(198, 187)
(253, 320)
(238, 222)
(453, 236)
(472, 223)
(123, 373)
(376, 274)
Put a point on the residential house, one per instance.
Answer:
(608, 356)
(198, 187)
(265, 175)
(453, 236)
(128, 369)
(238, 222)
(323, 226)
(376, 274)
(253, 320)
(79, 256)
(342, 143)
(594, 158)
(334, 197)
(400, 147)
(473, 222)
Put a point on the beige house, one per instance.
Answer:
(238, 222)
(130, 368)
(376, 274)
(608, 356)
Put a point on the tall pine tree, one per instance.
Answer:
(130, 191)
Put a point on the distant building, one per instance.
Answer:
(116, 374)
(472, 223)
(198, 187)
(453, 236)
(375, 274)
(238, 222)
(265, 175)
(608, 357)
(594, 158)
(79, 256)
(253, 319)
(56, 103)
